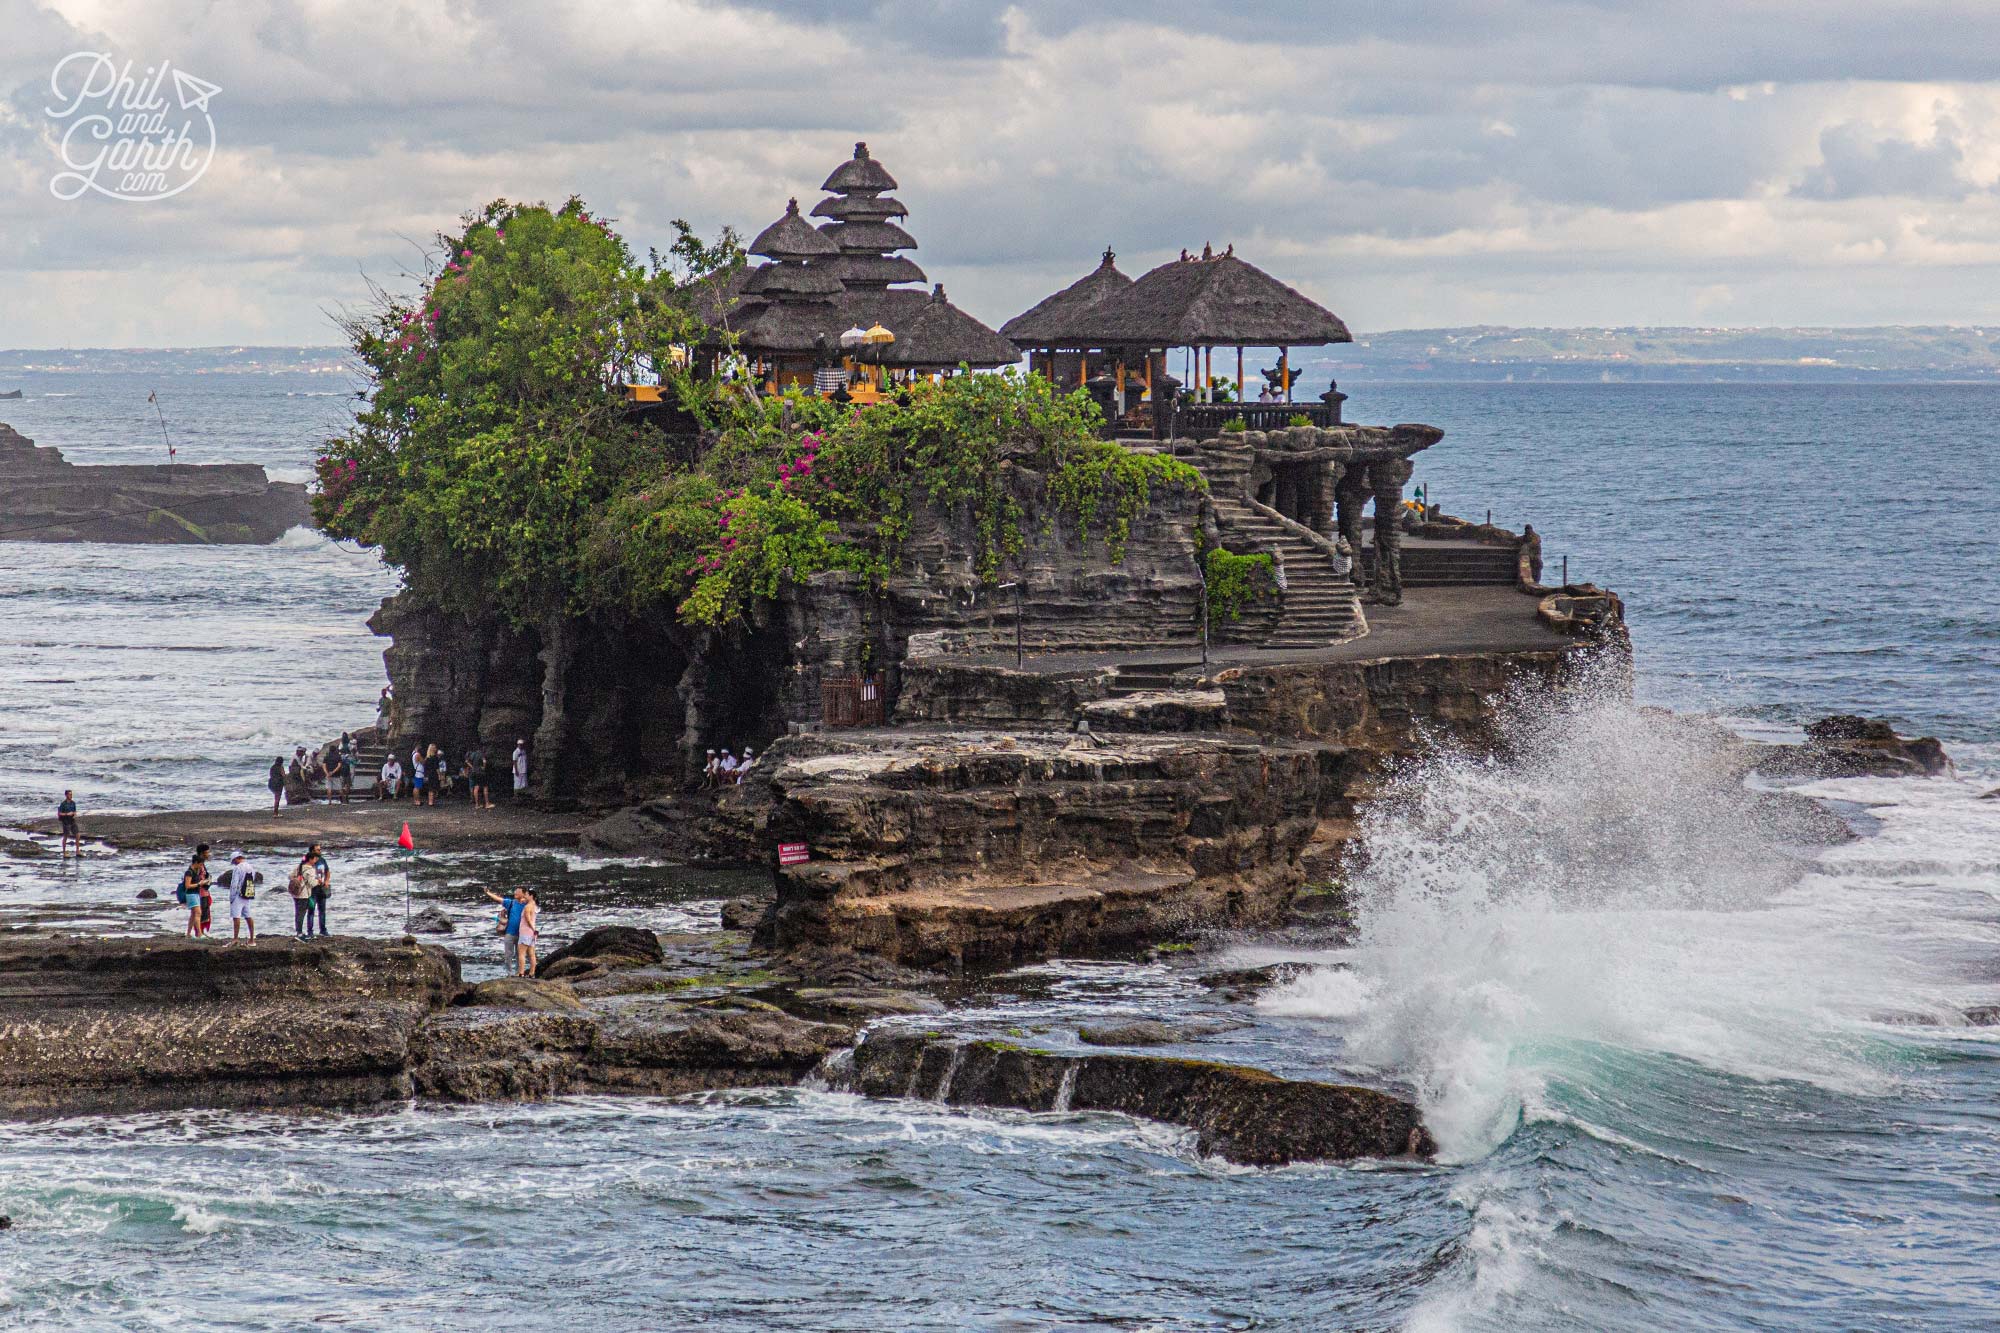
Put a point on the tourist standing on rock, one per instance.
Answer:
(531, 919)
(520, 768)
(300, 887)
(346, 759)
(477, 779)
(417, 774)
(509, 921)
(433, 775)
(241, 881)
(194, 892)
(276, 782)
(298, 791)
(66, 817)
(384, 707)
(320, 881)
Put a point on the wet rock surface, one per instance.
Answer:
(1845, 745)
(1242, 1115)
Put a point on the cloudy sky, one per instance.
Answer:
(1435, 162)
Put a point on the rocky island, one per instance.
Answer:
(46, 498)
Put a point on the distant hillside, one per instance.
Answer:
(1613, 354)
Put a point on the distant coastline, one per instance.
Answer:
(1931, 354)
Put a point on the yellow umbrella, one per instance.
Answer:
(877, 334)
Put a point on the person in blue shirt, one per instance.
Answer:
(509, 920)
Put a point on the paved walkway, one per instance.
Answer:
(1430, 621)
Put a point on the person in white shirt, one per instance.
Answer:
(520, 767)
(392, 779)
(743, 765)
(725, 768)
(241, 881)
(708, 770)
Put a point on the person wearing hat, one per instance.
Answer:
(242, 883)
(743, 765)
(708, 770)
(725, 768)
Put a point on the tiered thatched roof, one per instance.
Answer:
(843, 278)
(1213, 301)
(1046, 324)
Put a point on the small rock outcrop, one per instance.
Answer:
(44, 498)
(1239, 1114)
(1848, 746)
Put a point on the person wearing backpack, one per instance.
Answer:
(193, 892)
(241, 882)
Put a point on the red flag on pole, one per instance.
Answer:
(406, 842)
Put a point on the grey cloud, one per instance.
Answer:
(1858, 161)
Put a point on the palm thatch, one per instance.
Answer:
(793, 326)
(876, 271)
(862, 173)
(931, 332)
(819, 279)
(859, 208)
(1047, 323)
(1215, 301)
(868, 237)
(791, 237)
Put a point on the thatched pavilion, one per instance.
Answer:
(1126, 329)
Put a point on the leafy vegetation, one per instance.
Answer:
(1235, 581)
(498, 466)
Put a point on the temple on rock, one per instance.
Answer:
(833, 310)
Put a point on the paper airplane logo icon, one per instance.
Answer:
(194, 93)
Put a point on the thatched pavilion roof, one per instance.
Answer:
(1045, 324)
(818, 279)
(791, 237)
(879, 270)
(1217, 300)
(930, 331)
(868, 237)
(860, 208)
(861, 172)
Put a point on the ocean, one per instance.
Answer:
(1681, 1076)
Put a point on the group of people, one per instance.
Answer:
(519, 922)
(310, 885)
(724, 769)
(331, 769)
(430, 775)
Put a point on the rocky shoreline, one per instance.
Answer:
(98, 1026)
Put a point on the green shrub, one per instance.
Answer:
(1234, 581)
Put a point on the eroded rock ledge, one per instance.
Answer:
(1243, 1115)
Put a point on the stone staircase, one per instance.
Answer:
(1438, 564)
(1321, 607)
(1146, 677)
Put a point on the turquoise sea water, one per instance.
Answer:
(1681, 1082)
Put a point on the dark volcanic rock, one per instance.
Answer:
(610, 946)
(1847, 746)
(1239, 1114)
(522, 993)
(431, 921)
(44, 498)
(1246, 981)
